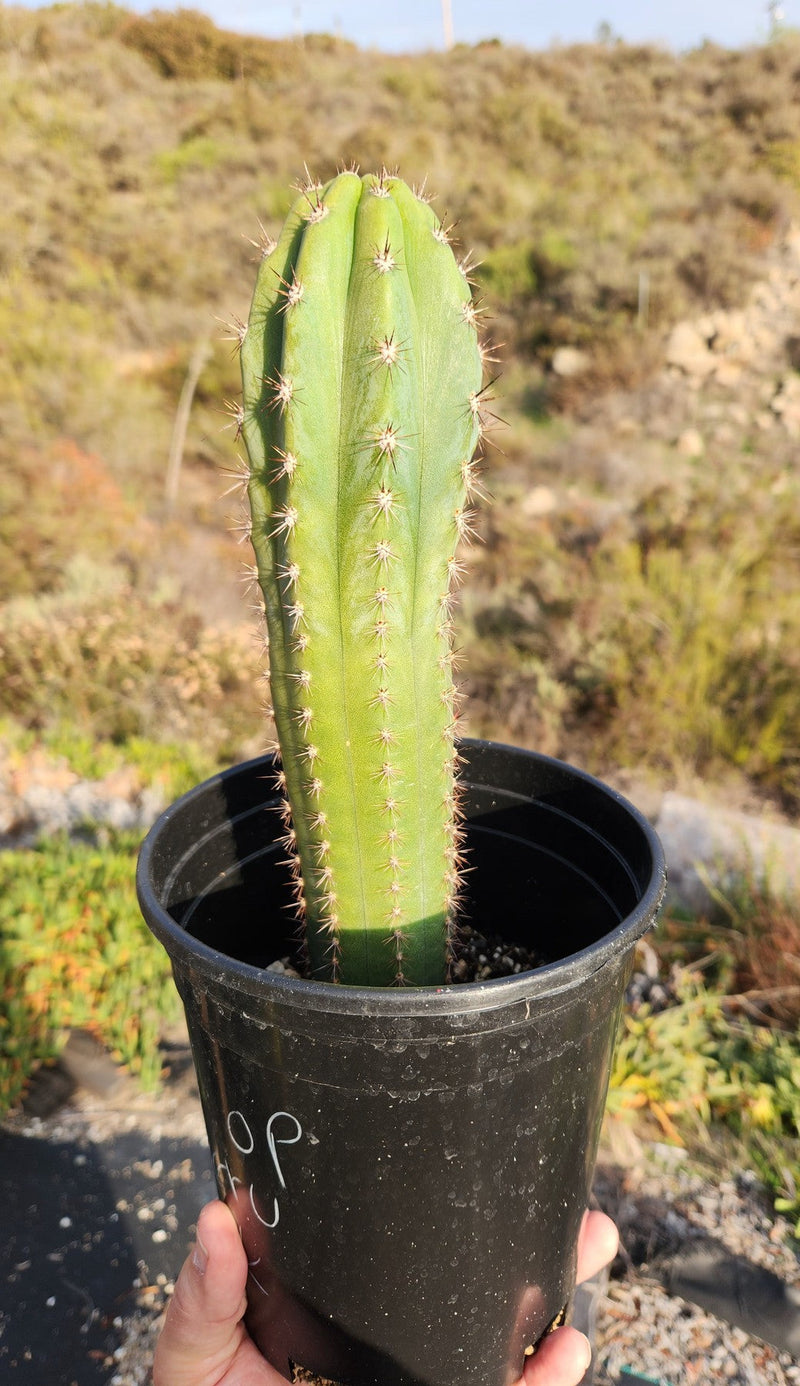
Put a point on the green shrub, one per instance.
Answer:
(74, 952)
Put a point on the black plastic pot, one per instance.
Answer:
(409, 1168)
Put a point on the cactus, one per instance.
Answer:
(361, 411)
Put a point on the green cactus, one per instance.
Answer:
(361, 412)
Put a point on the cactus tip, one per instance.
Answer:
(442, 232)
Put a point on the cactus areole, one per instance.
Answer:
(361, 412)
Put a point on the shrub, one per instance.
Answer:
(74, 952)
(128, 666)
(669, 636)
(186, 44)
(54, 501)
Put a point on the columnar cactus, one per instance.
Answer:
(361, 411)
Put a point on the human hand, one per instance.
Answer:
(204, 1341)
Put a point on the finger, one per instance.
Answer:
(562, 1359)
(597, 1245)
(203, 1331)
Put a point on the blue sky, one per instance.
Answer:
(403, 25)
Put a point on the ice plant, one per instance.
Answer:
(361, 411)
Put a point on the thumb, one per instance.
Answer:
(203, 1330)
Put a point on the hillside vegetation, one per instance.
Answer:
(645, 619)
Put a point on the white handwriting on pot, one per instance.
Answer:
(244, 1140)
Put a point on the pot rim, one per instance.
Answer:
(447, 999)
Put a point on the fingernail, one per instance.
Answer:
(200, 1255)
(587, 1361)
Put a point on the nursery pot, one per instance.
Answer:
(408, 1167)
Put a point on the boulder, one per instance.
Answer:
(708, 848)
(569, 361)
(688, 351)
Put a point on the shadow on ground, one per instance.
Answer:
(87, 1231)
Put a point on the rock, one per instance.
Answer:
(728, 373)
(710, 847)
(730, 331)
(687, 350)
(40, 795)
(690, 443)
(539, 501)
(90, 1066)
(569, 361)
(725, 434)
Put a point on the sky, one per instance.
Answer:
(410, 25)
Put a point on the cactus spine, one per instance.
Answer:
(361, 411)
